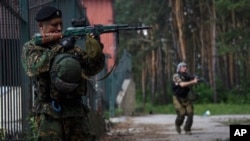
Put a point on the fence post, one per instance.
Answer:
(26, 87)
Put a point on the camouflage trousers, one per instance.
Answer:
(63, 129)
(183, 108)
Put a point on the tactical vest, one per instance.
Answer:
(181, 91)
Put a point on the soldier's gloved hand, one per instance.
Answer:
(93, 47)
(68, 43)
(99, 41)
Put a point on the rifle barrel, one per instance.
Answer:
(127, 28)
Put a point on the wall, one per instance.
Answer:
(101, 12)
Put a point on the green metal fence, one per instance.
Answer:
(115, 80)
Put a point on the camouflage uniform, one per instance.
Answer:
(71, 124)
(182, 104)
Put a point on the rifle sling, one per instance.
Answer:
(105, 76)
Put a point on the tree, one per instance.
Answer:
(211, 36)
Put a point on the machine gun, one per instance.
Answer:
(78, 31)
(200, 79)
(191, 77)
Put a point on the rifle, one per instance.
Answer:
(80, 31)
(200, 79)
(191, 77)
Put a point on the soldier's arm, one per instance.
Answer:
(188, 83)
(181, 83)
(36, 59)
(94, 66)
(93, 59)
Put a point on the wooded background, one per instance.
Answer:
(211, 36)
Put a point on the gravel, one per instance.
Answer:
(161, 127)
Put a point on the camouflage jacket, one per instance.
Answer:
(37, 60)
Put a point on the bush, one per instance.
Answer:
(205, 93)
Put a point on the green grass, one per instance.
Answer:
(222, 109)
(199, 109)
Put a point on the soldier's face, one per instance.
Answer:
(51, 26)
(183, 69)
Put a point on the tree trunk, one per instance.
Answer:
(179, 17)
(161, 99)
(143, 83)
(214, 51)
(153, 76)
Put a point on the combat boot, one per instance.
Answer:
(178, 129)
(188, 133)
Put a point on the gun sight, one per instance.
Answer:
(79, 22)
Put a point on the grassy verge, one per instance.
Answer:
(222, 109)
(215, 109)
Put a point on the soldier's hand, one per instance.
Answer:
(195, 80)
(98, 39)
(93, 47)
(68, 43)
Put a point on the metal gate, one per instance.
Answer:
(11, 116)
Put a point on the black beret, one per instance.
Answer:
(47, 13)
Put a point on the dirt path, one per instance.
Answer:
(161, 128)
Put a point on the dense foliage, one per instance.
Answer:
(211, 36)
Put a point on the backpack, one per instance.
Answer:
(66, 73)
